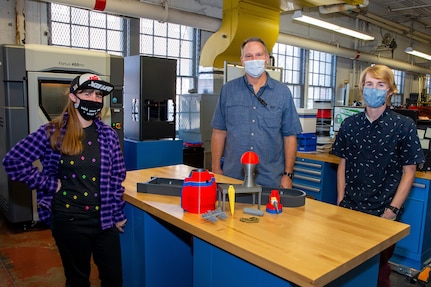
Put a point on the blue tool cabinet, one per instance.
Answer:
(415, 249)
(316, 178)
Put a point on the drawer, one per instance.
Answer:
(305, 187)
(308, 175)
(308, 164)
(419, 190)
(316, 178)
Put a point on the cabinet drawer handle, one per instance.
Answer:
(305, 170)
(419, 185)
(312, 179)
(305, 187)
(315, 165)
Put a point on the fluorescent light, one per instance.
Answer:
(410, 51)
(297, 15)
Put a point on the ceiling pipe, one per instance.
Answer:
(408, 8)
(20, 22)
(399, 26)
(327, 9)
(376, 20)
(350, 54)
(392, 26)
(394, 29)
(137, 9)
(141, 10)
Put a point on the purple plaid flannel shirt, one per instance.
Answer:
(18, 164)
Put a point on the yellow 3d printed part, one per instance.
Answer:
(231, 195)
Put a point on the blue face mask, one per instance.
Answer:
(374, 98)
(254, 68)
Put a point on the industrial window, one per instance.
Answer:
(397, 99)
(321, 77)
(428, 84)
(173, 41)
(399, 80)
(167, 40)
(320, 73)
(80, 28)
(291, 59)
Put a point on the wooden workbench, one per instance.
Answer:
(314, 245)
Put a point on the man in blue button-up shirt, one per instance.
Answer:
(256, 113)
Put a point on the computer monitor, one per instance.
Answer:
(342, 112)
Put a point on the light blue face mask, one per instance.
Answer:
(374, 98)
(254, 68)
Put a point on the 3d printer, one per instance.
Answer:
(34, 86)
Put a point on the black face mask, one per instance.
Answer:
(88, 109)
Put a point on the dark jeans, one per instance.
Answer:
(77, 240)
(385, 267)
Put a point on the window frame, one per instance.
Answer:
(90, 23)
(293, 75)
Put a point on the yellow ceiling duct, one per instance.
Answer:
(241, 19)
(251, 18)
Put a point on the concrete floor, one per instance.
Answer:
(398, 280)
(29, 258)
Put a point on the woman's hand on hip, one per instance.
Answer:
(120, 225)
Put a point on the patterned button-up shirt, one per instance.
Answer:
(375, 154)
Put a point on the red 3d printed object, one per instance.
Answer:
(274, 205)
(199, 192)
(249, 160)
(249, 157)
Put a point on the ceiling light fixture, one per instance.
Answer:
(298, 16)
(410, 51)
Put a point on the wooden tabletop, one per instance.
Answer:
(310, 245)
